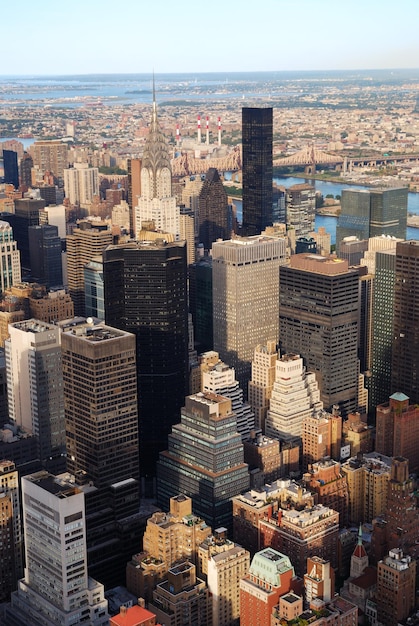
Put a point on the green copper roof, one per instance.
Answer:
(269, 564)
(399, 396)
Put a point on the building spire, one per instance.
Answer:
(154, 116)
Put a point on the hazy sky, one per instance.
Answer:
(107, 36)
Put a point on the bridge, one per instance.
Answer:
(309, 157)
(186, 164)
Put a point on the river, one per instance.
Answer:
(326, 188)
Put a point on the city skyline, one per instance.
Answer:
(328, 37)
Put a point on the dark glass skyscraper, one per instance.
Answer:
(213, 210)
(145, 294)
(257, 131)
(45, 255)
(11, 170)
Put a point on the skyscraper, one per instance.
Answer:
(87, 241)
(300, 209)
(213, 210)
(56, 588)
(145, 293)
(396, 579)
(45, 255)
(11, 542)
(204, 460)
(370, 213)
(156, 204)
(405, 352)
(11, 170)
(318, 319)
(26, 214)
(50, 155)
(257, 134)
(26, 165)
(35, 387)
(134, 189)
(81, 183)
(10, 258)
(245, 280)
(262, 381)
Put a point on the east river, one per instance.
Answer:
(325, 188)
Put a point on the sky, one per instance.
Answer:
(134, 36)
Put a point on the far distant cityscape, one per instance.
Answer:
(209, 349)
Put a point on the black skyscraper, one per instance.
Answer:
(213, 210)
(11, 170)
(45, 255)
(257, 169)
(145, 294)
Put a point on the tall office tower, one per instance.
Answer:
(397, 429)
(25, 170)
(371, 213)
(318, 319)
(100, 390)
(321, 436)
(187, 232)
(220, 379)
(190, 197)
(257, 134)
(319, 580)
(200, 302)
(405, 352)
(94, 288)
(45, 255)
(51, 307)
(11, 170)
(100, 387)
(11, 545)
(366, 329)
(10, 258)
(262, 381)
(300, 209)
(81, 183)
(56, 588)
(134, 190)
(223, 563)
(396, 580)
(50, 156)
(326, 479)
(269, 577)
(295, 395)
(383, 322)
(26, 214)
(145, 293)
(367, 478)
(205, 459)
(35, 387)
(87, 242)
(213, 210)
(157, 203)
(182, 598)
(54, 216)
(245, 281)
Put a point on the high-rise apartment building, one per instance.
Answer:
(51, 156)
(370, 213)
(245, 279)
(10, 273)
(319, 580)
(25, 170)
(205, 459)
(321, 436)
(182, 598)
(397, 429)
(396, 579)
(56, 588)
(295, 395)
(318, 319)
(257, 135)
(262, 381)
(300, 209)
(213, 210)
(45, 255)
(145, 293)
(134, 189)
(405, 353)
(35, 387)
(223, 563)
(11, 543)
(269, 577)
(87, 241)
(81, 183)
(156, 203)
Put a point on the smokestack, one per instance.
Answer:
(207, 130)
(219, 131)
(199, 129)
